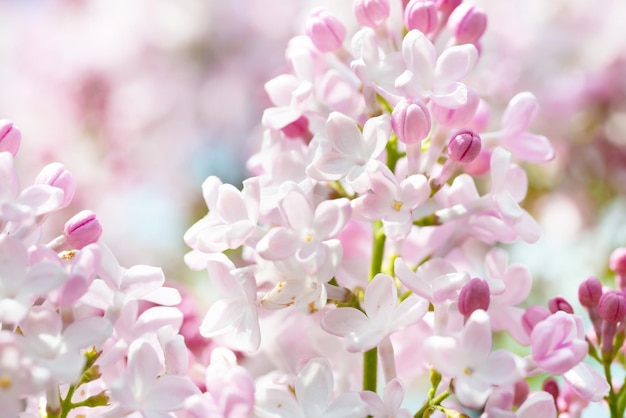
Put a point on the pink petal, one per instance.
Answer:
(381, 297)
(520, 111)
(314, 386)
(419, 55)
(376, 133)
(529, 147)
(587, 382)
(344, 134)
(330, 217)
(455, 63)
(476, 338)
(297, 210)
(169, 393)
(279, 243)
(343, 321)
(538, 404)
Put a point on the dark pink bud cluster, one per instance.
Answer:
(612, 310)
(589, 294)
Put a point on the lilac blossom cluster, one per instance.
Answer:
(357, 273)
(374, 215)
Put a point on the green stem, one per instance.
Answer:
(370, 358)
(611, 398)
(432, 403)
(370, 368)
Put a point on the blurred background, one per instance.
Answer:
(143, 99)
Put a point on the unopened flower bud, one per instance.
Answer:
(421, 15)
(57, 175)
(464, 146)
(533, 316)
(612, 306)
(82, 229)
(589, 292)
(521, 389)
(559, 303)
(551, 386)
(325, 30)
(447, 6)
(298, 129)
(371, 13)
(617, 260)
(467, 23)
(474, 296)
(410, 121)
(10, 137)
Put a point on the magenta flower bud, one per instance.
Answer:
(410, 121)
(298, 128)
(467, 23)
(325, 30)
(559, 303)
(589, 292)
(446, 7)
(551, 386)
(474, 296)
(464, 146)
(10, 137)
(533, 316)
(459, 117)
(56, 175)
(612, 306)
(421, 15)
(82, 229)
(617, 260)
(521, 389)
(371, 13)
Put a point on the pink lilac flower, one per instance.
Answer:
(229, 389)
(391, 201)
(383, 315)
(312, 397)
(307, 231)
(586, 382)
(145, 389)
(346, 153)
(17, 374)
(435, 78)
(21, 283)
(558, 342)
(391, 403)
(233, 316)
(468, 360)
(537, 405)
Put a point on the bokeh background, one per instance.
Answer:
(143, 99)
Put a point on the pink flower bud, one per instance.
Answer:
(612, 306)
(56, 175)
(371, 13)
(421, 15)
(297, 129)
(410, 121)
(551, 386)
(464, 146)
(559, 303)
(467, 23)
(617, 260)
(82, 229)
(325, 30)
(10, 137)
(474, 296)
(589, 292)
(533, 316)
(446, 7)
(521, 390)
(459, 117)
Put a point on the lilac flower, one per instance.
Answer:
(558, 342)
(346, 153)
(392, 201)
(22, 282)
(469, 361)
(437, 79)
(233, 316)
(383, 316)
(587, 383)
(391, 404)
(143, 387)
(313, 390)
(232, 216)
(307, 229)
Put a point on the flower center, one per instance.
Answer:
(397, 205)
